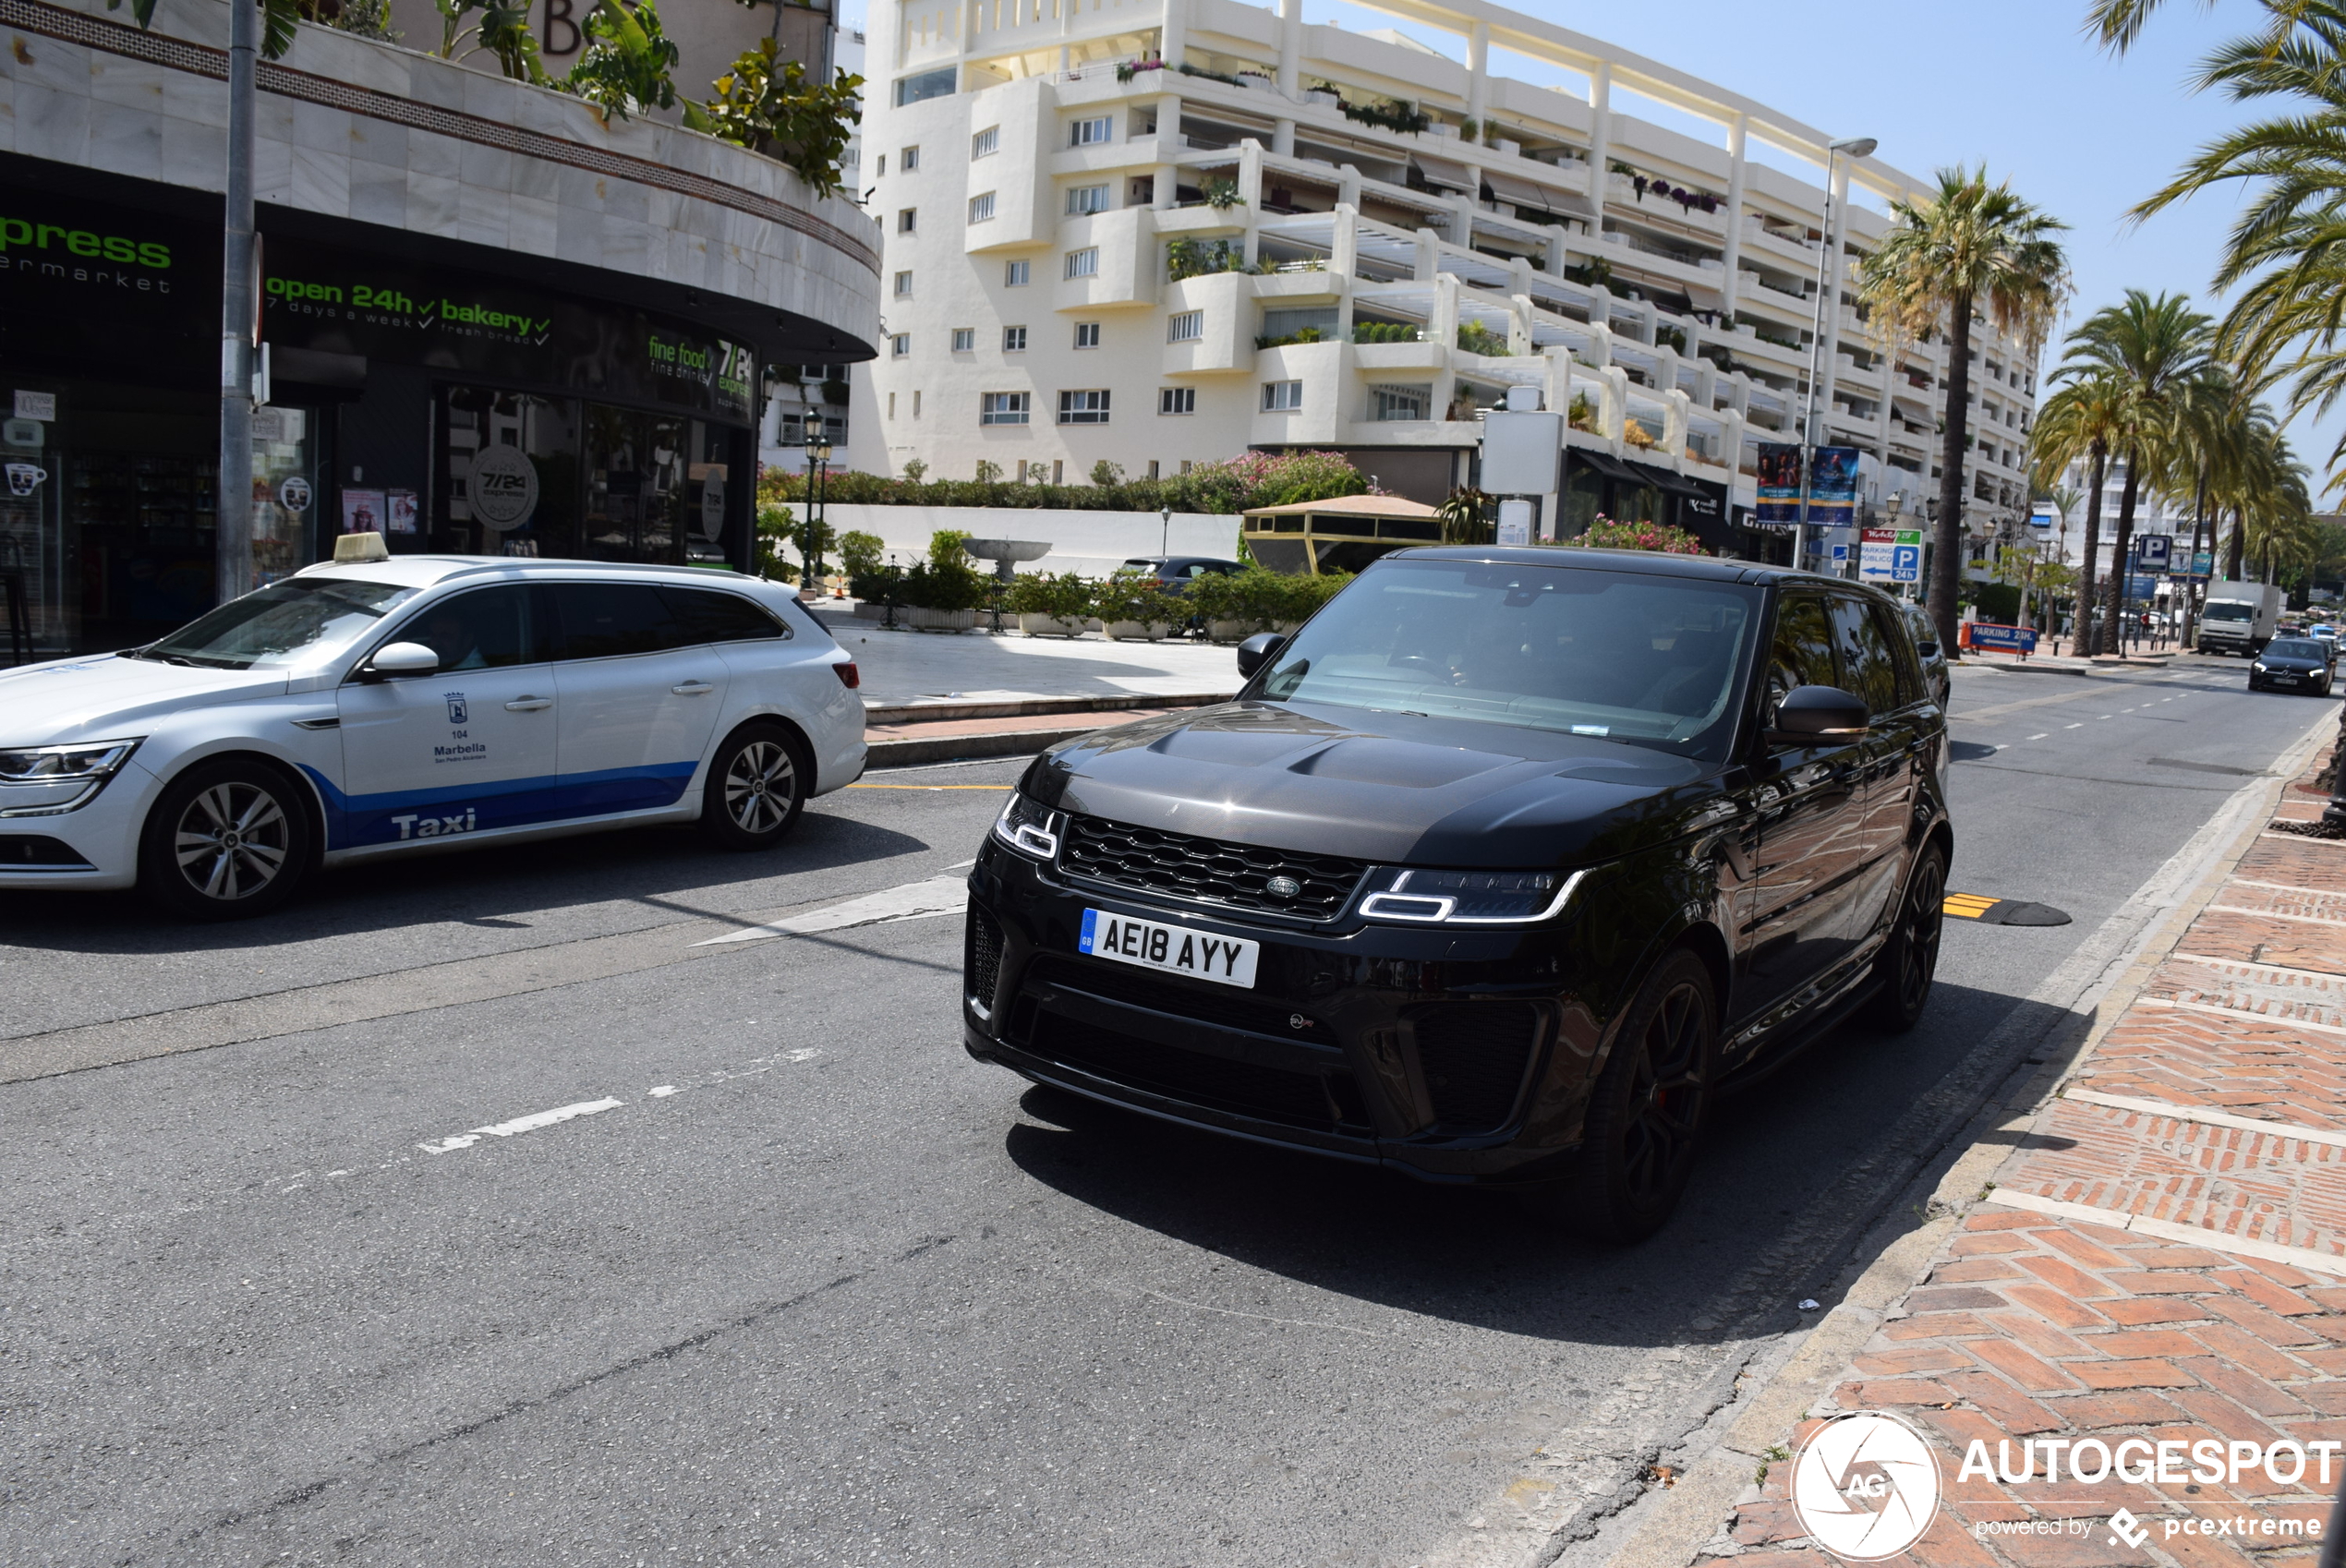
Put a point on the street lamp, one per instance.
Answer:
(818, 459)
(1812, 420)
(1165, 530)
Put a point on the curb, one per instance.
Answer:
(1020, 707)
(1696, 1507)
(914, 751)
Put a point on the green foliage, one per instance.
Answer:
(1065, 594)
(988, 472)
(626, 68)
(1189, 70)
(1607, 533)
(1583, 414)
(1260, 599)
(1135, 596)
(861, 554)
(1196, 258)
(1393, 115)
(1107, 474)
(767, 105)
(502, 32)
(1307, 334)
(1476, 338)
(1383, 332)
(1467, 517)
(1220, 191)
(1253, 479)
(915, 469)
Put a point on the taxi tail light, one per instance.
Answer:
(847, 675)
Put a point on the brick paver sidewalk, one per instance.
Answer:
(2153, 1262)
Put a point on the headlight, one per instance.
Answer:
(59, 764)
(2259, 667)
(1028, 827)
(1466, 898)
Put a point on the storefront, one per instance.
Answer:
(452, 397)
(1626, 491)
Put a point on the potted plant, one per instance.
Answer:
(1049, 605)
(1134, 607)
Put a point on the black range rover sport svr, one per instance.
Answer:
(1493, 873)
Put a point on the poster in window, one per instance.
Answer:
(362, 511)
(400, 511)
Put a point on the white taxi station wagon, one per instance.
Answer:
(382, 706)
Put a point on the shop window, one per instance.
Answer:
(534, 510)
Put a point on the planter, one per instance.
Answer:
(1231, 630)
(937, 619)
(1286, 628)
(1135, 631)
(1050, 625)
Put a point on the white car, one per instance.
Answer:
(389, 707)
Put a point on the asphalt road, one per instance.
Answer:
(798, 1280)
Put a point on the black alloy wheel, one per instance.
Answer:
(1910, 960)
(1647, 1113)
(224, 842)
(757, 784)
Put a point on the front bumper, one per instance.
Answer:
(1454, 1056)
(93, 846)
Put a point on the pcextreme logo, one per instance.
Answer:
(1866, 1485)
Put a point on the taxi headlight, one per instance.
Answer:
(58, 764)
(1414, 897)
(1029, 826)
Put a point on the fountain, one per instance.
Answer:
(1007, 553)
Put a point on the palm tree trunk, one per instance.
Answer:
(2120, 546)
(2084, 640)
(2233, 551)
(2188, 631)
(1946, 563)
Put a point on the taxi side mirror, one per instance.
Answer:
(1258, 651)
(399, 658)
(1818, 716)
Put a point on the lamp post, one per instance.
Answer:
(1165, 530)
(818, 461)
(1812, 419)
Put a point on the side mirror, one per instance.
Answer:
(399, 658)
(1927, 650)
(1818, 716)
(1258, 651)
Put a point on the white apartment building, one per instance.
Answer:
(1114, 228)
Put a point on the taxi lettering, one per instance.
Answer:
(415, 825)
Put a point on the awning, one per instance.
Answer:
(1445, 172)
(1706, 296)
(1610, 466)
(1532, 193)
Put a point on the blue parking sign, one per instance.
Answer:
(2152, 552)
(1905, 563)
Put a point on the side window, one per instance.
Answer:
(1869, 670)
(1901, 638)
(1801, 654)
(486, 629)
(710, 617)
(607, 619)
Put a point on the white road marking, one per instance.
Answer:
(2036, 737)
(520, 1125)
(2079, 726)
(914, 900)
(662, 1092)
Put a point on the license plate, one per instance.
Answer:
(1225, 961)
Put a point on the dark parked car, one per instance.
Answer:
(1492, 874)
(1176, 572)
(1925, 632)
(2292, 664)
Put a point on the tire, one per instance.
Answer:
(757, 788)
(1909, 960)
(1647, 1113)
(226, 840)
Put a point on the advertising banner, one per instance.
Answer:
(1832, 486)
(333, 301)
(1779, 486)
(95, 290)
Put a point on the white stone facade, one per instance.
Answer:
(1033, 152)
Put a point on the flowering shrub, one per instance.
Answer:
(1252, 478)
(1606, 533)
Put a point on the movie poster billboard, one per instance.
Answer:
(1832, 486)
(1779, 486)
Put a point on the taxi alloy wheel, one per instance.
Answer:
(756, 786)
(227, 841)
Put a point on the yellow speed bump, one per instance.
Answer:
(2001, 911)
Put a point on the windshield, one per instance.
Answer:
(2295, 649)
(1652, 661)
(2227, 609)
(296, 621)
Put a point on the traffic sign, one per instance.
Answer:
(2152, 552)
(1892, 555)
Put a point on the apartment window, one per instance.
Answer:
(1187, 327)
(908, 220)
(1083, 407)
(1091, 132)
(1003, 408)
(1186, 464)
(1386, 403)
(883, 166)
(920, 89)
(901, 344)
(1281, 397)
(1013, 340)
(1083, 263)
(916, 405)
(981, 208)
(1152, 467)
(1059, 470)
(1176, 399)
(1014, 274)
(891, 406)
(965, 339)
(1084, 199)
(1087, 334)
(903, 285)
(985, 143)
(909, 160)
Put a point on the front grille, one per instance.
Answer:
(982, 959)
(1205, 870)
(1215, 1082)
(1474, 1055)
(1208, 1004)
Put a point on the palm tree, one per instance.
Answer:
(2079, 421)
(2154, 359)
(1969, 244)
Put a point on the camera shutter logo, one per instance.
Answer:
(502, 488)
(1865, 1487)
